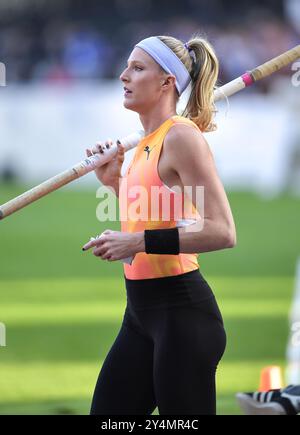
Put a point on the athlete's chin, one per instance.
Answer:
(131, 104)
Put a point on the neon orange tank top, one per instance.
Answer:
(145, 202)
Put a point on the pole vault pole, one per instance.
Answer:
(87, 165)
(258, 73)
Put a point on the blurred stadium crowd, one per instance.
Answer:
(69, 40)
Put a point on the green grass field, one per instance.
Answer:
(63, 308)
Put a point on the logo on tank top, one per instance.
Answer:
(148, 150)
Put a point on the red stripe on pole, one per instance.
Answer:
(248, 80)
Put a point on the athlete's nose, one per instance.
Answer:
(123, 77)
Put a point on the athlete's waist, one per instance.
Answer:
(182, 289)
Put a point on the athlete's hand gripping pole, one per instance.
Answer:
(82, 168)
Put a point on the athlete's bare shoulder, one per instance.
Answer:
(185, 138)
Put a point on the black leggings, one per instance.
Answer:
(166, 352)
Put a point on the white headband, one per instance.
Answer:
(168, 60)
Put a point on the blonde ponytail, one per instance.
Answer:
(204, 71)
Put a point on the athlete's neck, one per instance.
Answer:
(152, 121)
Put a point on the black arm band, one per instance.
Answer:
(165, 241)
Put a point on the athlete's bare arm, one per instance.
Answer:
(190, 156)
